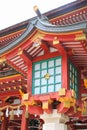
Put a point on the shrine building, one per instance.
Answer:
(43, 71)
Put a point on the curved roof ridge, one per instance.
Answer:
(43, 24)
(48, 27)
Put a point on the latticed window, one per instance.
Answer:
(73, 78)
(47, 76)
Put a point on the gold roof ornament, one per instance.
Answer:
(55, 41)
(20, 51)
(2, 59)
(80, 37)
(37, 11)
(37, 42)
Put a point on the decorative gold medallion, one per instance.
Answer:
(47, 76)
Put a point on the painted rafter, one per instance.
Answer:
(16, 67)
(4, 40)
(25, 56)
(70, 18)
(37, 52)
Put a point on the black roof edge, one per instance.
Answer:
(50, 14)
(66, 8)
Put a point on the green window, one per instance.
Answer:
(47, 76)
(73, 78)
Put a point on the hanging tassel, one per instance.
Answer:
(0, 115)
(12, 115)
(18, 111)
(7, 112)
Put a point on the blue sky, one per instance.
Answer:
(16, 11)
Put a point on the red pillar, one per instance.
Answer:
(29, 79)
(4, 125)
(24, 123)
(65, 68)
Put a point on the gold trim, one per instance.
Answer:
(25, 96)
(2, 59)
(55, 41)
(38, 35)
(62, 92)
(10, 76)
(20, 51)
(45, 105)
(80, 37)
(62, 33)
(85, 83)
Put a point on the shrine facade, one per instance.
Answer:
(43, 71)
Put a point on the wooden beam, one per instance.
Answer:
(16, 67)
(5, 94)
(34, 109)
(46, 56)
(44, 45)
(4, 125)
(12, 84)
(60, 48)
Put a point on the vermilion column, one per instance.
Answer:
(63, 53)
(29, 79)
(24, 124)
(4, 125)
(65, 68)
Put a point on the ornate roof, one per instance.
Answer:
(61, 30)
(62, 16)
(41, 24)
(18, 44)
